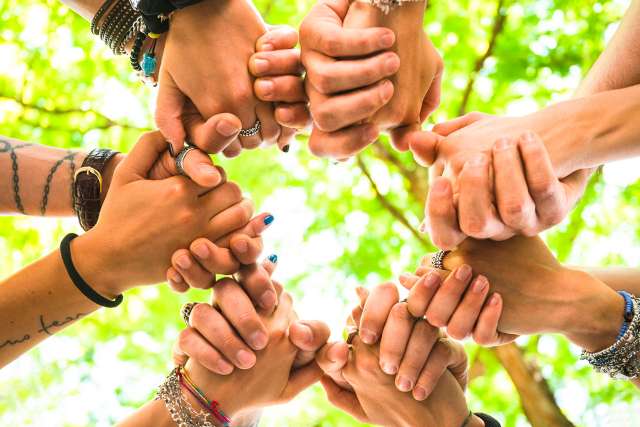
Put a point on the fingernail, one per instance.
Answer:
(476, 161)
(260, 65)
(273, 258)
(225, 128)
(480, 284)
(368, 337)
(266, 47)
(208, 170)
(419, 393)
(245, 358)
(433, 280)
(258, 340)
(285, 148)
(463, 273)
(386, 40)
(503, 144)
(201, 251)
(387, 90)
(176, 278)
(392, 64)
(439, 186)
(404, 384)
(389, 368)
(306, 333)
(495, 299)
(268, 219)
(224, 367)
(183, 262)
(268, 300)
(265, 88)
(241, 246)
(285, 114)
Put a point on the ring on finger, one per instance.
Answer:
(438, 259)
(253, 130)
(186, 310)
(180, 159)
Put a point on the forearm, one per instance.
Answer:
(85, 8)
(35, 303)
(38, 180)
(152, 414)
(588, 132)
(619, 65)
(617, 278)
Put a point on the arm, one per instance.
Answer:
(618, 66)
(40, 300)
(38, 179)
(617, 278)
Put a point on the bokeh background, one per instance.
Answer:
(337, 226)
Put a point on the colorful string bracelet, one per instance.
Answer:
(211, 405)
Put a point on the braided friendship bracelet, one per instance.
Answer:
(211, 405)
(387, 6)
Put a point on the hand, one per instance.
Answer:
(517, 192)
(338, 60)
(196, 94)
(457, 301)
(540, 295)
(277, 375)
(417, 82)
(278, 71)
(143, 221)
(355, 383)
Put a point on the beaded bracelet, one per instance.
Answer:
(387, 6)
(622, 359)
(98, 16)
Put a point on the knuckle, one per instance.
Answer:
(543, 188)
(400, 311)
(324, 118)
(242, 94)
(475, 227)
(516, 211)
(457, 332)
(322, 79)
(330, 45)
(185, 338)
(233, 190)
(481, 338)
(436, 319)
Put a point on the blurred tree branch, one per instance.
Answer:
(106, 122)
(393, 210)
(498, 26)
(536, 397)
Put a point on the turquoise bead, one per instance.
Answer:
(149, 64)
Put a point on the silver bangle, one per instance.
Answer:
(186, 310)
(622, 359)
(438, 259)
(179, 408)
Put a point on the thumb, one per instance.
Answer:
(333, 357)
(309, 335)
(142, 158)
(169, 108)
(424, 146)
(299, 380)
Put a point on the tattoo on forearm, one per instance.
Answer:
(47, 186)
(45, 328)
(11, 149)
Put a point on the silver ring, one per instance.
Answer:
(252, 131)
(180, 158)
(438, 258)
(186, 310)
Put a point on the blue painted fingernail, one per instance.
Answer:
(268, 219)
(273, 258)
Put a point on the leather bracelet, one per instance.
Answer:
(87, 186)
(78, 281)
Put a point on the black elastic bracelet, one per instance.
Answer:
(65, 251)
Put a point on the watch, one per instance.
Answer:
(87, 186)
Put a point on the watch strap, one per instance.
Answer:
(87, 186)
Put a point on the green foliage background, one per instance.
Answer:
(59, 86)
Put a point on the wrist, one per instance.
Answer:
(107, 174)
(594, 317)
(222, 389)
(94, 263)
(406, 18)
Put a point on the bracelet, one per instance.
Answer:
(135, 51)
(622, 359)
(210, 405)
(181, 412)
(78, 281)
(98, 16)
(387, 6)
